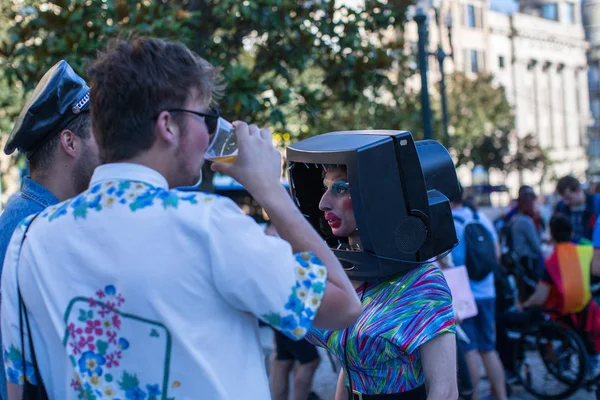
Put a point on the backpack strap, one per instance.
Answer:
(460, 220)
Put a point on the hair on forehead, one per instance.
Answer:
(331, 167)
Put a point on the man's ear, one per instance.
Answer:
(70, 143)
(166, 129)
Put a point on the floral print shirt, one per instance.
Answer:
(135, 291)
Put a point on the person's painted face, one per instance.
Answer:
(574, 199)
(337, 204)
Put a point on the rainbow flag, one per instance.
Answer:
(569, 267)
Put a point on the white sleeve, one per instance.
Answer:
(9, 315)
(259, 274)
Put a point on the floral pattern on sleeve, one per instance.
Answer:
(304, 300)
(13, 361)
(97, 351)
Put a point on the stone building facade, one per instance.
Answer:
(540, 56)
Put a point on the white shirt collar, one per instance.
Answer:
(129, 172)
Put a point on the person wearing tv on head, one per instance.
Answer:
(403, 345)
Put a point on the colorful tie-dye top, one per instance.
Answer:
(398, 316)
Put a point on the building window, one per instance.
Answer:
(501, 62)
(474, 62)
(550, 11)
(570, 14)
(471, 18)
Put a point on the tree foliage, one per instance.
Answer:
(481, 122)
(300, 67)
(482, 127)
(264, 47)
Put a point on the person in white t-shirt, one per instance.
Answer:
(137, 291)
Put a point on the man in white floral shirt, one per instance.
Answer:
(136, 291)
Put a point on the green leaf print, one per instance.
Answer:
(82, 315)
(89, 394)
(90, 314)
(272, 319)
(73, 361)
(14, 354)
(128, 381)
(108, 378)
(80, 211)
(123, 185)
(318, 287)
(102, 346)
(171, 201)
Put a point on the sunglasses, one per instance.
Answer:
(211, 118)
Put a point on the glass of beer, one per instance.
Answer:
(223, 147)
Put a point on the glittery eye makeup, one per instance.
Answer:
(339, 187)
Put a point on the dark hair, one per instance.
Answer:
(561, 228)
(133, 81)
(567, 182)
(526, 190)
(44, 156)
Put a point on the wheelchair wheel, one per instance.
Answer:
(552, 362)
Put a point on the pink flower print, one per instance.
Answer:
(112, 337)
(112, 360)
(75, 385)
(94, 327)
(76, 346)
(89, 342)
(111, 305)
(92, 302)
(116, 321)
(100, 294)
(104, 311)
(120, 300)
(74, 331)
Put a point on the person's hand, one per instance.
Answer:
(258, 163)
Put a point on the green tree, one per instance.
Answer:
(481, 122)
(298, 66)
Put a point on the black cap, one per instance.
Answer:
(59, 97)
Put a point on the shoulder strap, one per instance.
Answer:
(23, 312)
(460, 220)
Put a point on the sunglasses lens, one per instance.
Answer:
(211, 124)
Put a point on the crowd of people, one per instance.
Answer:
(522, 276)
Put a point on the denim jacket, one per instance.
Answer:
(32, 199)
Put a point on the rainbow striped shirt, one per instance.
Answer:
(398, 316)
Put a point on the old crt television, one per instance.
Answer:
(400, 193)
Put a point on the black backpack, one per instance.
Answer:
(480, 257)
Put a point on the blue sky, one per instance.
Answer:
(506, 6)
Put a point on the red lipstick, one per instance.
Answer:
(333, 220)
